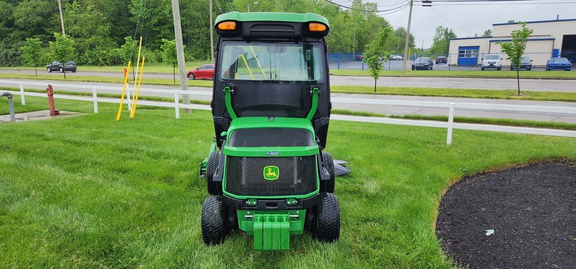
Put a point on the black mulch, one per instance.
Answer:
(531, 210)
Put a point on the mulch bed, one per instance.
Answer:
(531, 210)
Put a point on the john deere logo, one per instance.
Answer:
(271, 172)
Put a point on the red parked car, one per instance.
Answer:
(205, 71)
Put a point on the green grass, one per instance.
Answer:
(90, 192)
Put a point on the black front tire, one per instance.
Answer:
(213, 221)
(327, 219)
(213, 187)
(61, 70)
(48, 69)
(328, 162)
(191, 76)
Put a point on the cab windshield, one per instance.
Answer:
(271, 61)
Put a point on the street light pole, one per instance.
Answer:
(248, 6)
(354, 44)
(423, 47)
(211, 35)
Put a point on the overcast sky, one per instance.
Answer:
(468, 17)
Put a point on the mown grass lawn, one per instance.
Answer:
(90, 192)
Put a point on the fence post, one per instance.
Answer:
(95, 98)
(22, 93)
(450, 124)
(176, 105)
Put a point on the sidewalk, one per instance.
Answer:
(36, 115)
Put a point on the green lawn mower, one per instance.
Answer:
(267, 173)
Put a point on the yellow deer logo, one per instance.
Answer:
(271, 172)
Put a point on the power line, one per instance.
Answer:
(391, 9)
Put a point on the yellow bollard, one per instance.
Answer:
(123, 91)
(137, 90)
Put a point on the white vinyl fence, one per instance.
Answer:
(449, 106)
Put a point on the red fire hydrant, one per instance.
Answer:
(50, 92)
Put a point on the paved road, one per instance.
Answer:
(202, 93)
(422, 82)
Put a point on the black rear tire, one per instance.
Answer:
(213, 221)
(328, 185)
(328, 218)
(213, 187)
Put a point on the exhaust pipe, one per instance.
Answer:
(11, 105)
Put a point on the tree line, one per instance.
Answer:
(105, 32)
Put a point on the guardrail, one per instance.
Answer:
(449, 106)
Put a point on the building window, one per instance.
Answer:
(468, 53)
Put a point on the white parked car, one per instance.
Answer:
(492, 61)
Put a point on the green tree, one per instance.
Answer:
(129, 49)
(487, 33)
(400, 33)
(441, 41)
(515, 49)
(169, 54)
(62, 49)
(376, 54)
(90, 30)
(32, 52)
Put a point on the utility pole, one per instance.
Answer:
(407, 38)
(180, 51)
(61, 18)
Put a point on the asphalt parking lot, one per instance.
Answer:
(397, 65)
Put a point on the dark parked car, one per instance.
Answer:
(559, 63)
(424, 63)
(441, 59)
(205, 71)
(58, 66)
(359, 57)
(525, 63)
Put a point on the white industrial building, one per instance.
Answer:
(549, 39)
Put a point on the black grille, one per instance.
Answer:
(271, 137)
(286, 176)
